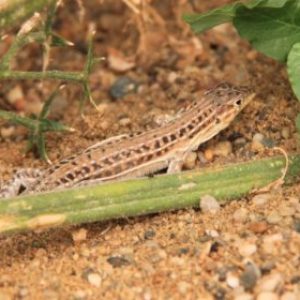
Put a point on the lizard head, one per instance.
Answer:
(228, 101)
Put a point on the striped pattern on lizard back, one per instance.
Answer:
(153, 150)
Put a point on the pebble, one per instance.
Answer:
(258, 227)
(285, 133)
(94, 279)
(274, 218)
(271, 243)
(249, 277)
(289, 296)
(223, 149)
(118, 261)
(209, 204)
(212, 233)
(244, 296)
(257, 142)
(208, 154)
(79, 235)
(247, 249)
(267, 296)
(261, 199)
(149, 234)
(258, 137)
(190, 161)
(267, 266)
(125, 122)
(122, 86)
(287, 211)
(239, 142)
(172, 77)
(296, 225)
(15, 94)
(79, 295)
(7, 131)
(256, 146)
(241, 215)
(232, 280)
(270, 283)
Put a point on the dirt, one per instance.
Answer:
(232, 254)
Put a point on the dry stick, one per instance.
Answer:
(141, 196)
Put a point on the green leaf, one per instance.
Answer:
(293, 68)
(59, 41)
(202, 22)
(226, 13)
(271, 29)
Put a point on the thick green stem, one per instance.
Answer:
(141, 196)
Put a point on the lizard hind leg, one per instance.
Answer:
(20, 183)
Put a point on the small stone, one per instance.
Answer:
(209, 204)
(212, 233)
(149, 234)
(183, 287)
(125, 122)
(268, 143)
(257, 142)
(122, 86)
(267, 296)
(258, 137)
(172, 77)
(257, 146)
(232, 280)
(261, 199)
(239, 142)
(296, 225)
(201, 157)
(249, 277)
(247, 249)
(270, 283)
(287, 211)
(118, 261)
(15, 94)
(241, 215)
(289, 296)
(102, 108)
(274, 218)
(267, 266)
(244, 296)
(7, 131)
(190, 161)
(271, 243)
(223, 149)
(286, 133)
(79, 295)
(79, 235)
(295, 279)
(94, 279)
(258, 227)
(208, 154)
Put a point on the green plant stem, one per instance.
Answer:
(61, 75)
(141, 196)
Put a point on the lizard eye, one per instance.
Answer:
(238, 102)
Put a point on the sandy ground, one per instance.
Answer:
(247, 249)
